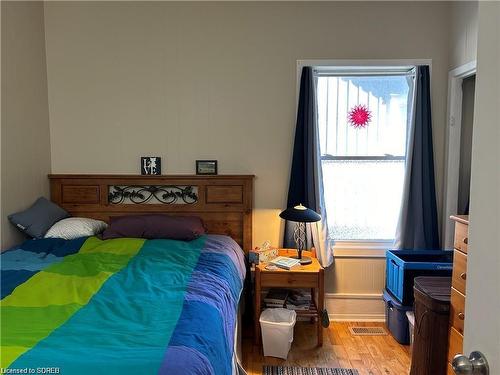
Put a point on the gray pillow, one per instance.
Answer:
(37, 220)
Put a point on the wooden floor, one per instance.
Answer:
(368, 354)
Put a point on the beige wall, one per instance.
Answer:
(463, 26)
(213, 80)
(25, 150)
(188, 81)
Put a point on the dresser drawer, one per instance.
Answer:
(450, 371)
(455, 344)
(283, 279)
(461, 237)
(459, 271)
(457, 310)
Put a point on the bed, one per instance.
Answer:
(129, 305)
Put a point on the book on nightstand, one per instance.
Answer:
(274, 305)
(285, 262)
(303, 307)
(298, 299)
(276, 297)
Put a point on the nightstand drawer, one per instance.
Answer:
(292, 279)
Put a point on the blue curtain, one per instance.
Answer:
(418, 220)
(306, 180)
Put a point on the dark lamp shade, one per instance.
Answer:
(300, 214)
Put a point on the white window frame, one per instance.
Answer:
(357, 248)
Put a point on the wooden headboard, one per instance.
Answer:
(224, 202)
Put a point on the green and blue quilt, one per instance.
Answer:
(121, 306)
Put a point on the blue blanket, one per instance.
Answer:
(120, 306)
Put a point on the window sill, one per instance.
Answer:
(361, 249)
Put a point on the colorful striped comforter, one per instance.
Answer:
(122, 306)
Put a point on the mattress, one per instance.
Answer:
(88, 306)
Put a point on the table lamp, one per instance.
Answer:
(300, 215)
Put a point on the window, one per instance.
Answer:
(363, 166)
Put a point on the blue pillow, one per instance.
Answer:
(37, 220)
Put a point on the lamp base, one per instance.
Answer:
(303, 260)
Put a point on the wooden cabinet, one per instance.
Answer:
(458, 287)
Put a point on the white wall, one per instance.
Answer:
(188, 81)
(463, 24)
(482, 326)
(25, 150)
(462, 51)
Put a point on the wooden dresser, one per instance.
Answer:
(458, 290)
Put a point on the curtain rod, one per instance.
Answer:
(366, 71)
(335, 73)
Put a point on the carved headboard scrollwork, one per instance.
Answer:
(224, 202)
(152, 193)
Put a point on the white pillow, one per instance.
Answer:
(75, 227)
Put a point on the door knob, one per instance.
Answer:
(476, 364)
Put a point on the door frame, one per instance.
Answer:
(453, 134)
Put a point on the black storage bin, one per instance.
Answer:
(430, 334)
(396, 319)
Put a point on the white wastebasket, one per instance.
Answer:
(277, 331)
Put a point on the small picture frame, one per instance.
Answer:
(150, 165)
(206, 167)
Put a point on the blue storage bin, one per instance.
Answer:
(402, 266)
(396, 319)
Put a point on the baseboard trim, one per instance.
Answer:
(355, 307)
(367, 296)
(380, 318)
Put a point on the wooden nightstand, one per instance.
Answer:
(308, 276)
